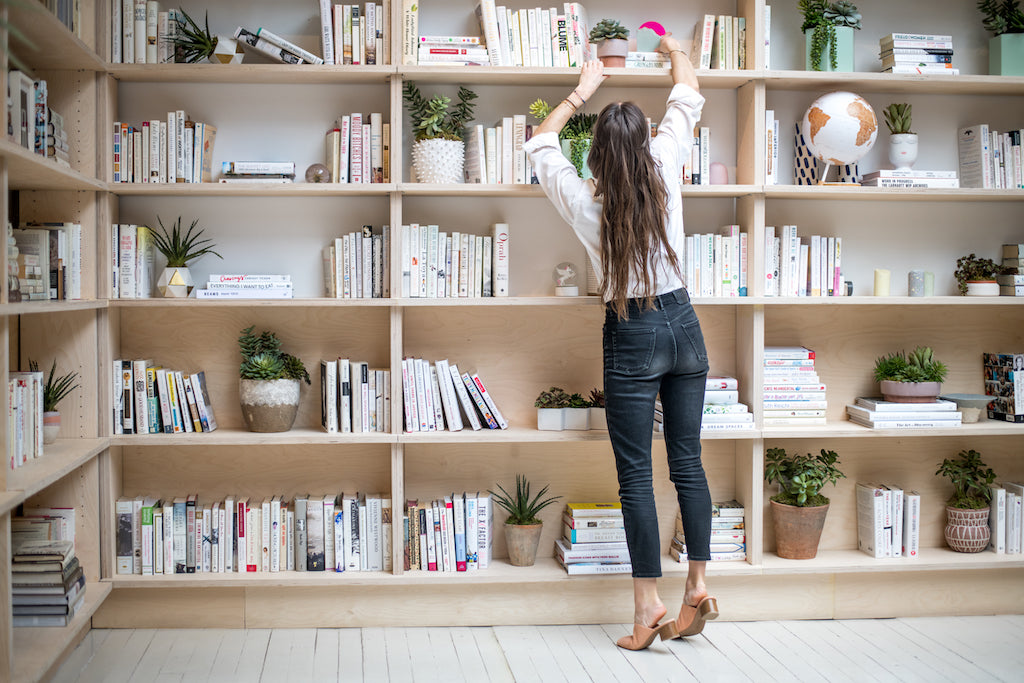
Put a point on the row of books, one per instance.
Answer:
(494, 155)
(728, 533)
(888, 520)
(150, 399)
(246, 286)
(1004, 382)
(48, 259)
(355, 34)
(433, 394)
(357, 265)
(720, 42)
(593, 540)
(533, 37)
(698, 171)
(178, 150)
(804, 162)
(716, 264)
(436, 264)
(181, 535)
(794, 267)
(453, 533)
(47, 583)
(141, 33)
(917, 53)
(990, 159)
(1011, 281)
(358, 149)
(877, 413)
(31, 122)
(793, 392)
(354, 398)
(24, 417)
(1005, 518)
(133, 256)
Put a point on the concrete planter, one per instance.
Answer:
(269, 405)
(550, 419)
(577, 419)
(522, 541)
(51, 426)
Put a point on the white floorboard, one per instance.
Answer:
(954, 649)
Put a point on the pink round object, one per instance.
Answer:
(719, 173)
(654, 26)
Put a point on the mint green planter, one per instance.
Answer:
(1006, 55)
(844, 51)
(577, 152)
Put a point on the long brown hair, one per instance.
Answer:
(635, 204)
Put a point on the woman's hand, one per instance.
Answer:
(668, 43)
(591, 77)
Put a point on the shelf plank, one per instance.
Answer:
(38, 649)
(469, 190)
(9, 500)
(849, 561)
(290, 74)
(895, 194)
(530, 435)
(158, 302)
(55, 46)
(844, 429)
(939, 301)
(241, 437)
(48, 307)
(542, 76)
(297, 189)
(904, 84)
(28, 171)
(59, 459)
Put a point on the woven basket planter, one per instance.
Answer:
(967, 530)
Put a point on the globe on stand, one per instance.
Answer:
(840, 128)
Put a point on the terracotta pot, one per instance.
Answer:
(51, 426)
(522, 541)
(797, 530)
(612, 52)
(269, 405)
(910, 392)
(967, 530)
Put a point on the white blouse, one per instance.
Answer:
(574, 198)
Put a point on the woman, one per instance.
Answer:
(630, 219)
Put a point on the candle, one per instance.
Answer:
(881, 282)
(915, 283)
(929, 283)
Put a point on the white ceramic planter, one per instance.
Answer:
(227, 51)
(439, 161)
(550, 419)
(903, 150)
(986, 288)
(598, 419)
(577, 419)
(175, 283)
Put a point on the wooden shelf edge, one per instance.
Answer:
(30, 171)
(287, 74)
(59, 459)
(297, 189)
(37, 649)
(9, 500)
(857, 562)
(56, 47)
(241, 437)
(32, 307)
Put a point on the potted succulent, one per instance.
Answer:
(598, 419)
(551, 405)
(799, 508)
(194, 43)
(575, 136)
(176, 279)
(902, 140)
(1005, 20)
(977, 276)
(910, 378)
(439, 153)
(55, 389)
(967, 529)
(269, 388)
(522, 527)
(828, 30)
(612, 40)
(577, 413)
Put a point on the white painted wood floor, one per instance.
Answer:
(913, 649)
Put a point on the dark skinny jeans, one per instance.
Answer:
(659, 350)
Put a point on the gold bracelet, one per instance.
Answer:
(678, 50)
(566, 100)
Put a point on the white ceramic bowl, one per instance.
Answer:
(972, 406)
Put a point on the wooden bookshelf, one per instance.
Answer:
(520, 344)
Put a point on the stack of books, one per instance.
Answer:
(1011, 282)
(722, 408)
(1005, 519)
(1004, 382)
(47, 583)
(910, 178)
(880, 414)
(355, 398)
(728, 533)
(793, 393)
(917, 53)
(648, 60)
(270, 172)
(149, 399)
(246, 286)
(357, 265)
(448, 534)
(888, 520)
(451, 51)
(594, 540)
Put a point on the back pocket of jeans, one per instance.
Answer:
(632, 350)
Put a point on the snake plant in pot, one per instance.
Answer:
(55, 389)
(523, 526)
(270, 382)
(799, 509)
